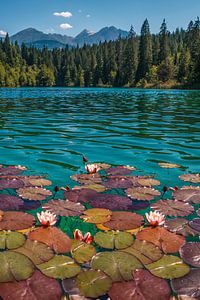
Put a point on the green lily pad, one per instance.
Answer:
(113, 239)
(11, 240)
(60, 267)
(14, 267)
(118, 265)
(93, 283)
(82, 252)
(169, 267)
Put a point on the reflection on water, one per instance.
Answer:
(48, 129)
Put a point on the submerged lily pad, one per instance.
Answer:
(168, 165)
(113, 239)
(82, 252)
(180, 226)
(60, 267)
(8, 202)
(120, 170)
(173, 208)
(148, 182)
(112, 202)
(93, 283)
(188, 285)
(11, 240)
(64, 208)
(16, 221)
(81, 196)
(169, 267)
(118, 265)
(11, 184)
(34, 193)
(142, 193)
(190, 253)
(121, 220)
(138, 205)
(96, 215)
(14, 267)
(194, 178)
(38, 286)
(187, 195)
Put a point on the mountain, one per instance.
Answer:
(39, 39)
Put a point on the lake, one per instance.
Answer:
(48, 130)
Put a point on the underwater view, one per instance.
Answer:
(99, 194)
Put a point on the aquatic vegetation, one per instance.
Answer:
(120, 255)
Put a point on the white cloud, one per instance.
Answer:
(2, 33)
(66, 26)
(88, 16)
(64, 14)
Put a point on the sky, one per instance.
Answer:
(70, 17)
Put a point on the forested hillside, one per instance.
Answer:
(146, 60)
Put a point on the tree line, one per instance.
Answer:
(147, 60)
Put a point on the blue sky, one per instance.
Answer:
(16, 15)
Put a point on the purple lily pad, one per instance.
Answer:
(190, 253)
(29, 205)
(82, 195)
(118, 183)
(10, 171)
(8, 202)
(120, 170)
(112, 202)
(11, 184)
(195, 224)
(138, 205)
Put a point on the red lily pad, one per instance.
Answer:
(167, 241)
(173, 208)
(144, 286)
(16, 221)
(38, 287)
(118, 183)
(112, 202)
(87, 178)
(194, 178)
(195, 224)
(187, 195)
(180, 226)
(121, 220)
(120, 170)
(10, 171)
(142, 193)
(189, 285)
(64, 208)
(8, 202)
(11, 184)
(81, 196)
(53, 237)
(190, 253)
(138, 205)
(34, 193)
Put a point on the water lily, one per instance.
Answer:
(91, 168)
(155, 218)
(87, 238)
(46, 218)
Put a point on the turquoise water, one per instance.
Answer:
(48, 129)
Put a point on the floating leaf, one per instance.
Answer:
(64, 208)
(84, 195)
(188, 285)
(11, 240)
(190, 253)
(195, 224)
(112, 239)
(146, 252)
(118, 183)
(167, 241)
(118, 265)
(96, 187)
(70, 287)
(93, 283)
(138, 205)
(87, 178)
(120, 170)
(173, 208)
(8, 202)
(29, 205)
(112, 202)
(60, 267)
(14, 266)
(82, 252)
(11, 184)
(102, 166)
(36, 182)
(96, 215)
(168, 165)
(16, 221)
(37, 252)
(180, 226)
(121, 220)
(148, 182)
(10, 171)
(37, 287)
(34, 193)
(53, 237)
(142, 193)
(188, 195)
(194, 178)
(169, 267)
(144, 286)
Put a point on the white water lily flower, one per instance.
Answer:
(46, 218)
(155, 218)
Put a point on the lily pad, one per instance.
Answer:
(167, 241)
(29, 205)
(11, 170)
(112, 202)
(93, 283)
(87, 178)
(38, 286)
(96, 187)
(64, 208)
(169, 267)
(53, 237)
(14, 267)
(96, 215)
(70, 287)
(144, 286)
(144, 251)
(189, 285)
(194, 178)
(138, 205)
(121, 220)
(142, 193)
(82, 252)
(116, 264)
(34, 193)
(187, 195)
(113, 239)
(60, 267)
(11, 184)
(81, 196)
(190, 253)
(180, 226)
(16, 221)
(11, 240)
(102, 166)
(118, 183)
(8, 202)
(120, 170)
(37, 252)
(195, 224)
(168, 165)
(37, 182)
(173, 208)
(148, 182)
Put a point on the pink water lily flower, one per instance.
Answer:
(91, 168)
(46, 218)
(155, 218)
(87, 238)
